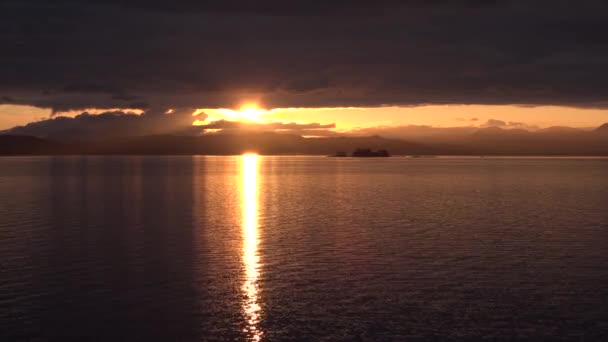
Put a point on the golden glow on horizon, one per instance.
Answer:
(251, 259)
(348, 118)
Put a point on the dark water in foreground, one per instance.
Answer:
(302, 248)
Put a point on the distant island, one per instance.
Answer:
(366, 152)
(363, 153)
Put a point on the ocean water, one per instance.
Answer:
(303, 248)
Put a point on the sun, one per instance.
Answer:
(251, 111)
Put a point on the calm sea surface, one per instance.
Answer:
(303, 248)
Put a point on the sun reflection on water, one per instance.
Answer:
(251, 260)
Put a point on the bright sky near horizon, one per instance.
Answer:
(349, 118)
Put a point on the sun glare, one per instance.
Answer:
(251, 111)
(251, 259)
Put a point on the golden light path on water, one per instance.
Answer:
(251, 260)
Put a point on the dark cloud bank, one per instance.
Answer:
(206, 54)
(117, 124)
(153, 55)
(110, 125)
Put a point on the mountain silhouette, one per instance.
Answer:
(483, 141)
(602, 128)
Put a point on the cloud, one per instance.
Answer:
(292, 127)
(495, 123)
(107, 125)
(112, 124)
(465, 119)
(509, 124)
(418, 133)
(68, 55)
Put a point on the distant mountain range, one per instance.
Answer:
(482, 141)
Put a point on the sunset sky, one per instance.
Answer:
(348, 118)
(348, 63)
